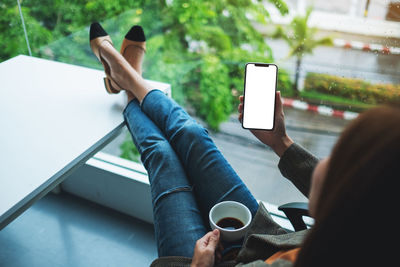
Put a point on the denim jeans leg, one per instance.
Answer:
(213, 178)
(177, 220)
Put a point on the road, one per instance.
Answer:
(370, 66)
(256, 164)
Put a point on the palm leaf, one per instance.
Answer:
(281, 6)
(281, 33)
(300, 38)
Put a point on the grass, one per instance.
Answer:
(333, 101)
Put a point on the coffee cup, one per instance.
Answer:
(231, 218)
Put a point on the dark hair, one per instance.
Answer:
(355, 217)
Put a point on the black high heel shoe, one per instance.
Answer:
(97, 36)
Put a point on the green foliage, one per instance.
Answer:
(335, 102)
(285, 85)
(199, 47)
(129, 150)
(353, 89)
(214, 82)
(281, 5)
(12, 35)
(203, 47)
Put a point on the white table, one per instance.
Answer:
(53, 117)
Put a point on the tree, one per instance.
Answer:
(301, 40)
(200, 47)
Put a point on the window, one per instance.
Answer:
(200, 48)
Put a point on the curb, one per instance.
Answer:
(388, 50)
(322, 110)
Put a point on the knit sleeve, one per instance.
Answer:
(297, 165)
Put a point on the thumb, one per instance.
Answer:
(214, 239)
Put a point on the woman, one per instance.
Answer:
(188, 175)
(353, 197)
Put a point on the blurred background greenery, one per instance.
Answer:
(199, 47)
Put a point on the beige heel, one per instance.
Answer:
(126, 44)
(109, 88)
(95, 46)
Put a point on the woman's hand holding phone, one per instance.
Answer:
(277, 139)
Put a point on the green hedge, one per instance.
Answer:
(355, 89)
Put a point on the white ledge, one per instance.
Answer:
(123, 185)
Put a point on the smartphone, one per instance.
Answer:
(259, 96)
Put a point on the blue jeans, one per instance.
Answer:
(187, 173)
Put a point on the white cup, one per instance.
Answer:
(230, 209)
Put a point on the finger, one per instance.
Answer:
(240, 117)
(240, 108)
(203, 242)
(279, 105)
(241, 99)
(214, 239)
(207, 237)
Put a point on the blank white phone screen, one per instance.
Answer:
(259, 96)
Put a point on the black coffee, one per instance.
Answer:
(230, 223)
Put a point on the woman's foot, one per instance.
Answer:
(120, 73)
(133, 49)
(99, 38)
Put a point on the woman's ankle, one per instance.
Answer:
(124, 74)
(141, 89)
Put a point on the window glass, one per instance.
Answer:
(335, 59)
(12, 38)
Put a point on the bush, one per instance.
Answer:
(354, 89)
(284, 84)
(185, 38)
(212, 104)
